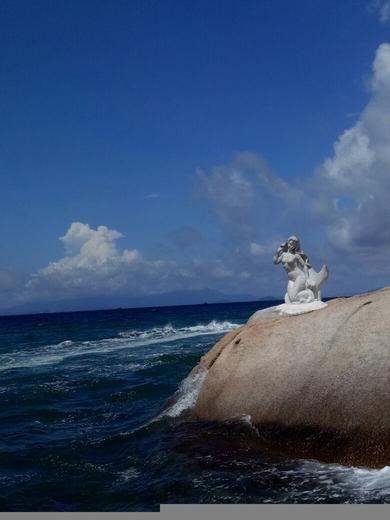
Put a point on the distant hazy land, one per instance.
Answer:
(156, 300)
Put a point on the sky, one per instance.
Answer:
(156, 146)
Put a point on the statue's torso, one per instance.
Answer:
(289, 261)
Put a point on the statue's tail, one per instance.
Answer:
(317, 279)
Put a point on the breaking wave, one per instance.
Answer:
(186, 395)
(170, 332)
(335, 481)
(57, 353)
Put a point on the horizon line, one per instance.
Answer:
(260, 299)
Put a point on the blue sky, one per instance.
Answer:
(109, 110)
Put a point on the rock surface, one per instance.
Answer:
(315, 384)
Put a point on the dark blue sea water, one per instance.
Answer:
(95, 415)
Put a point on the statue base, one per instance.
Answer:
(291, 309)
(285, 309)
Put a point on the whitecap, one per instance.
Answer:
(56, 353)
(172, 333)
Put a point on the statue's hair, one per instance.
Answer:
(284, 248)
(284, 245)
(299, 250)
(296, 239)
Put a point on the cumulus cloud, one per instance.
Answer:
(358, 174)
(96, 244)
(94, 265)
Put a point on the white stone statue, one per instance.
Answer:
(304, 283)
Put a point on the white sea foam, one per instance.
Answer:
(170, 332)
(374, 478)
(331, 480)
(187, 394)
(184, 398)
(361, 483)
(56, 353)
(129, 474)
(66, 343)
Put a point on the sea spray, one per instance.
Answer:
(187, 393)
(170, 332)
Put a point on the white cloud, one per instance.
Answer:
(94, 265)
(263, 249)
(353, 158)
(89, 243)
(382, 7)
(257, 249)
(360, 169)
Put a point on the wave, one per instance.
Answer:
(186, 395)
(183, 399)
(363, 484)
(57, 353)
(170, 332)
(374, 479)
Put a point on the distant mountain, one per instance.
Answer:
(156, 300)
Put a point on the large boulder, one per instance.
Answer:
(315, 384)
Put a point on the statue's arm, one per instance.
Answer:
(278, 256)
(301, 261)
(279, 253)
(304, 261)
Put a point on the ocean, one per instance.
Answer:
(95, 415)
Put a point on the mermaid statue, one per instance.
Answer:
(304, 283)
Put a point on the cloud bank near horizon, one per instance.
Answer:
(341, 212)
